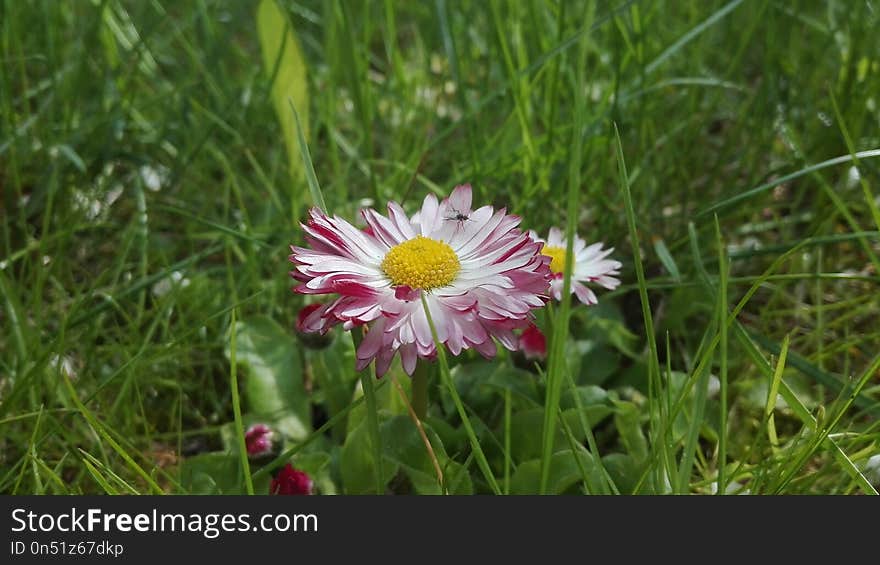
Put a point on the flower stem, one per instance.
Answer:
(420, 390)
(446, 377)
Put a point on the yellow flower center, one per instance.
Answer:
(557, 254)
(422, 263)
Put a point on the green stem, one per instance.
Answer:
(236, 410)
(420, 390)
(507, 462)
(445, 376)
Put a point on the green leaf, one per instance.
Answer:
(332, 370)
(624, 471)
(526, 432)
(273, 387)
(216, 473)
(594, 400)
(283, 60)
(597, 362)
(388, 401)
(626, 418)
(210, 473)
(565, 472)
(404, 446)
(470, 380)
(454, 439)
(521, 383)
(357, 463)
(317, 464)
(613, 332)
(526, 437)
(667, 260)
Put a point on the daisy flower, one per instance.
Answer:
(590, 265)
(479, 275)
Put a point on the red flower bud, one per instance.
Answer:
(291, 481)
(258, 440)
(533, 343)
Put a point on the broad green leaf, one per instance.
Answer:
(404, 446)
(589, 395)
(216, 473)
(357, 465)
(624, 471)
(332, 369)
(283, 61)
(565, 473)
(526, 436)
(317, 465)
(454, 439)
(526, 429)
(273, 384)
(470, 380)
(597, 363)
(595, 403)
(614, 333)
(521, 383)
(388, 401)
(627, 420)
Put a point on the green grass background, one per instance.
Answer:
(151, 183)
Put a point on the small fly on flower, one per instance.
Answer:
(457, 216)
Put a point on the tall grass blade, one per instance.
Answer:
(236, 408)
(284, 61)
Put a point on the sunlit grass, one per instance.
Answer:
(152, 178)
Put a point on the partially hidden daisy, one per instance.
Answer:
(591, 265)
(533, 343)
(479, 274)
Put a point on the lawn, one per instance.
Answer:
(158, 159)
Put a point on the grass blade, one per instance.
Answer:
(650, 334)
(690, 35)
(556, 362)
(236, 408)
(723, 272)
(801, 411)
(311, 177)
(866, 190)
(823, 434)
(772, 394)
(743, 196)
(283, 59)
(99, 428)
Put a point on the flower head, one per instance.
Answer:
(477, 272)
(258, 440)
(291, 481)
(590, 265)
(532, 343)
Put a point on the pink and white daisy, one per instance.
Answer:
(590, 265)
(479, 274)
